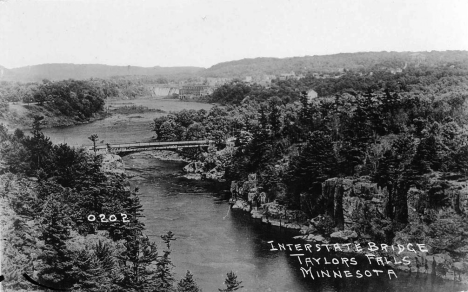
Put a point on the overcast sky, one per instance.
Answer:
(203, 33)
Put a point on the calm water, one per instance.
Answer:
(122, 128)
(211, 239)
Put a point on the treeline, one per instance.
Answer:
(420, 80)
(52, 197)
(115, 87)
(17, 92)
(216, 124)
(70, 97)
(127, 87)
(237, 92)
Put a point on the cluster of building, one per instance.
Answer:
(266, 79)
(199, 87)
(197, 91)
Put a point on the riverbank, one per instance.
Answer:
(346, 242)
(353, 210)
(169, 197)
(142, 109)
(20, 116)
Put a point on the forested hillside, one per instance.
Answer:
(85, 71)
(384, 156)
(333, 63)
(68, 224)
(432, 81)
(242, 68)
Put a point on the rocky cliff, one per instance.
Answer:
(437, 217)
(356, 210)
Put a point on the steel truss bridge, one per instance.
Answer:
(136, 147)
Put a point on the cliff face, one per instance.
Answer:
(348, 202)
(437, 217)
(357, 210)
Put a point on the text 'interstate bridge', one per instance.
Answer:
(143, 146)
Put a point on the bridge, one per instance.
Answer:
(136, 147)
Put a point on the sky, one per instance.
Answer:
(206, 32)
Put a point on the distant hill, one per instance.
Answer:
(244, 67)
(6, 74)
(86, 71)
(331, 63)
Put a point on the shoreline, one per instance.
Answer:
(439, 265)
(63, 122)
(419, 262)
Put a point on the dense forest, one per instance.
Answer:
(431, 82)
(52, 90)
(406, 132)
(70, 225)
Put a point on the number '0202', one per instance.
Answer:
(112, 218)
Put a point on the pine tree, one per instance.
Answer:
(164, 278)
(86, 272)
(259, 150)
(356, 135)
(106, 271)
(137, 263)
(394, 172)
(19, 248)
(94, 138)
(66, 164)
(57, 259)
(95, 266)
(188, 284)
(39, 146)
(275, 117)
(131, 207)
(316, 163)
(427, 157)
(305, 113)
(263, 118)
(231, 282)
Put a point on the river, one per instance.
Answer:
(213, 240)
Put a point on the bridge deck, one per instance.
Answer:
(141, 146)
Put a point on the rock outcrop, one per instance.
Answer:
(346, 201)
(358, 210)
(112, 163)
